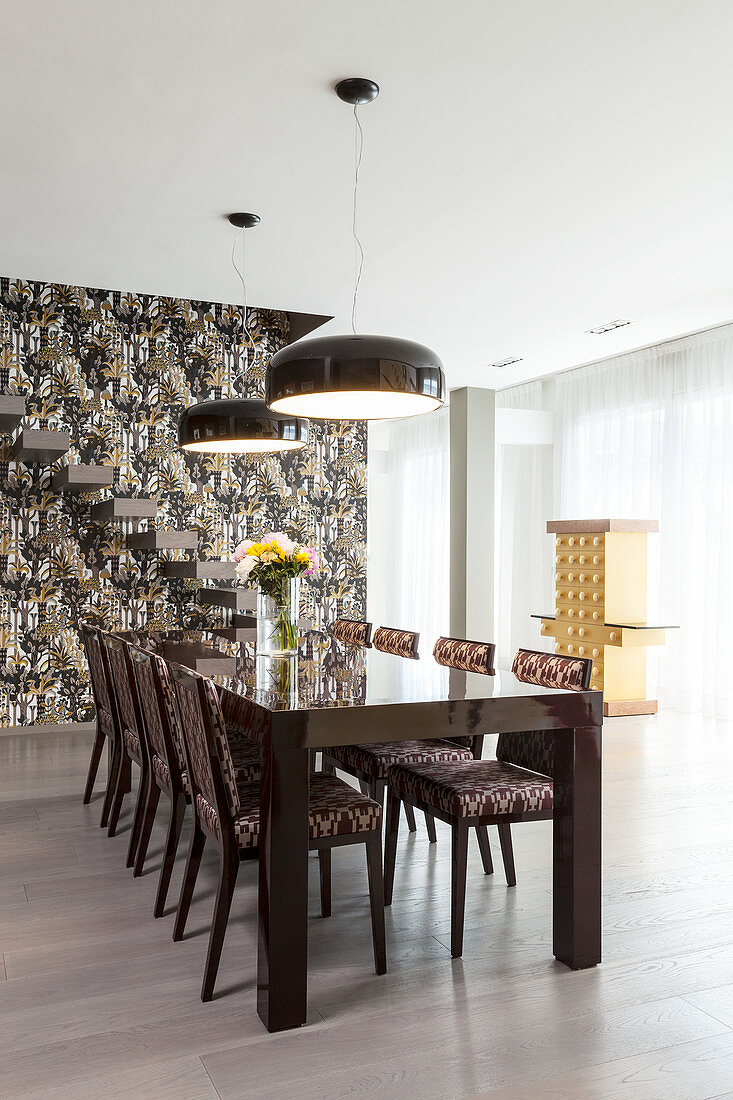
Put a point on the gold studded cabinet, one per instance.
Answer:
(600, 606)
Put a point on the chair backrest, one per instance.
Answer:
(401, 642)
(211, 771)
(123, 685)
(552, 670)
(468, 656)
(535, 750)
(98, 675)
(355, 631)
(159, 713)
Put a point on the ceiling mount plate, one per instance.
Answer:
(244, 221)
(357, 89)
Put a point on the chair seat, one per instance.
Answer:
(375, 760)
(336, 809)
(246, 760)
(476, 789)
(132, 744)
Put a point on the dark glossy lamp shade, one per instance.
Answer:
(239, 426)
(354, 378)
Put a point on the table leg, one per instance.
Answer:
(576, 901)
(282, 952)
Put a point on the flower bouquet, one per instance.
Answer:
(276, 565)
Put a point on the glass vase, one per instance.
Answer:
(278, 610)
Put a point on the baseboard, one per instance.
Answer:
(68, 727)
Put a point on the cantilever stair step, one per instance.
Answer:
(201, 658)
(82, 479)
(12, 411)
(163, 540)
(237, 599)
(125, 508)
(201, 570)
(39, 446)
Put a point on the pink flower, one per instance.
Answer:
(315, 562)
(241, 550)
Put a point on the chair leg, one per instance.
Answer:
(458, 887)
(195, 851)
(115, 759)
(224, 894)
(430, 826)
(410, 816)
(94, 764)
(327, 764)
(376, 899)
(391, 831)
(175, 824)
(507, 854)
(146, 827)
(484, 847)
(121, 788)
(137, 819)
(324, 870)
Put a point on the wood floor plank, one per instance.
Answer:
(690, 1071)
(184, 1079)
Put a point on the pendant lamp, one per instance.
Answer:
(355, 377)
(240, 425)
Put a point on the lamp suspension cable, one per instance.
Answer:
(246, 334)
(358, 247)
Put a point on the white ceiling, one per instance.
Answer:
(531, 169)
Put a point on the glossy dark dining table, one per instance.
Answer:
(334, 694)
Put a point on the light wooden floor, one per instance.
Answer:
(97, 1001)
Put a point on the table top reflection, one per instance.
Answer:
(331, 674)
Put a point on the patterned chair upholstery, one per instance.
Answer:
(374, 761)
(133, 731)
(354, 631)
(517, 786)
(228, 813)
(403, 643)
(477, 789)
(106, 719)
(468, 656)
(551, 670)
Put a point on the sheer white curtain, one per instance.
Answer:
(409, 533)
(650, 434)
(524, 570)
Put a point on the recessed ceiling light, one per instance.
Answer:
(608, 327)
(507, 362)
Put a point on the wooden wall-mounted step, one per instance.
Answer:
(235, 633)
(12, 411)
(124, 508)
(39, 446)
(163, 540)
(82, 479)
(243, 628)
(201, 658)
(237, 599)
(201, 570)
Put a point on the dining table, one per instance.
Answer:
(334, 693)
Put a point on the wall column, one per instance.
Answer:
(472, 471)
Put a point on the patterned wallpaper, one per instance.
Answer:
(115, 369)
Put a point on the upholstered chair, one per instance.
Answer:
(167, 772)
(353, 631)
(107, 726)
(370, 763)
(403, 643)
(227, 814)
(134, 746)
(517, 786)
